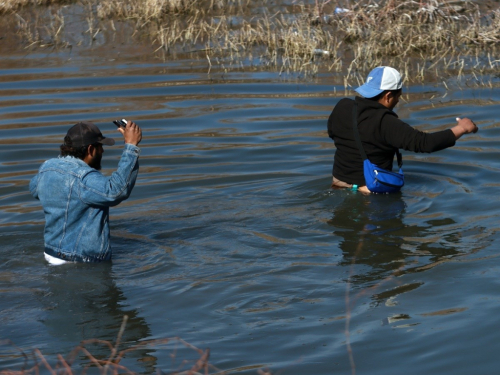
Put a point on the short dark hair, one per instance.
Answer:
(77, 152)
(394, 92)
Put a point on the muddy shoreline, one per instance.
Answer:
(426, 41)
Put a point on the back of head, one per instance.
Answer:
(380, 80)
(80, 136)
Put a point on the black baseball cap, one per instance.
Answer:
(84, 134)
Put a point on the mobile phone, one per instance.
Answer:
(122, 123)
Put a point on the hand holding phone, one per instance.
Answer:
(120, 123)
(132, 133)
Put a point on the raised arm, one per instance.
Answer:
(109, 191)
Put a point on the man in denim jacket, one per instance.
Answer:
(76, 197)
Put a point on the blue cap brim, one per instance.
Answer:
(367, 91)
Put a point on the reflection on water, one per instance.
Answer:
(375, 234)
(83, 303)
(72, 304)
(233, 240)
(366, 225)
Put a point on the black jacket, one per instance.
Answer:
(381, 133)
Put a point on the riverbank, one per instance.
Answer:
(424, 40)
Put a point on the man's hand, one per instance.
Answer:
(132, 133)
(464, 126)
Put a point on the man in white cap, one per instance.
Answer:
(382, 133)
(76, 197)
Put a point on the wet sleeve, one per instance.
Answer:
(100, 190)
(402, 136)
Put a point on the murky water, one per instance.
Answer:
(232, 239)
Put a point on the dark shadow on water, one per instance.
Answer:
(83, 302)
(377, 243)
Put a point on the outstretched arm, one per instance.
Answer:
(403, 136)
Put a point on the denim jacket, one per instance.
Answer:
(76, 200)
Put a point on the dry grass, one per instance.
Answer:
(36, 362)
(152, 10)
(423, 39)
(7, 6)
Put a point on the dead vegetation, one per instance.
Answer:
(36, 363)
(8, 6)
(422, 39)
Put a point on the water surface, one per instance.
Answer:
(232, 239)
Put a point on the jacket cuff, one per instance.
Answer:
(131, 149)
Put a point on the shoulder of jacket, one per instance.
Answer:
(67, 165)
(84, 173)
(346, 100)
(343, 104)
(387, 113)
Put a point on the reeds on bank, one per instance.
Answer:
(423, 39)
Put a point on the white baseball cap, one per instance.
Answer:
(380, 79)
